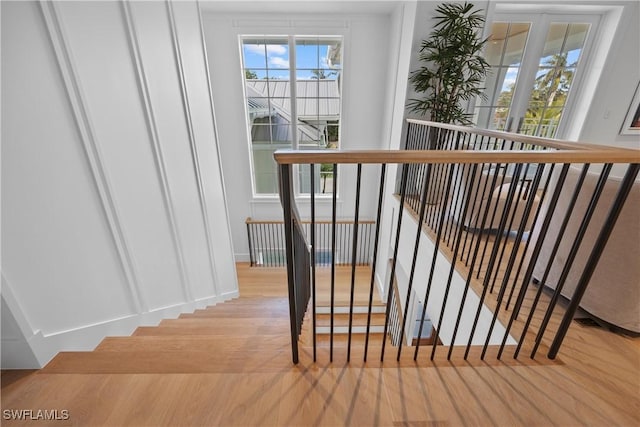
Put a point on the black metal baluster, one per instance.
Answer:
(353, 257)
(534, 257)
(577, 241)
(505, 240)
(313, 252)
(492, 257)
(558, 240)
(333, 257)
(594, 257)
(522, 228)
(457, 205)
(476, 251)
(512, 257)
(457, 239)
(472, 188)
(433, 264)
(262, 244)
(375, 256)
(403, 188)
(419, 231)
(249, 240)
(493, 216)
(286, 189)
(485, 229)
(272, 246)
(534, 223)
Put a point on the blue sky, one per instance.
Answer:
(275, 57)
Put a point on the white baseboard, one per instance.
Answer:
(379, 281)
(242, 257)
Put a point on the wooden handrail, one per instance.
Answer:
(559, 144)
(250, 220)
(563, 152)
(620, 155)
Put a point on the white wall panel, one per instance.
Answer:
(159, 56)
(97, 38)
(196, 76)
(109, 174)
(57, 248)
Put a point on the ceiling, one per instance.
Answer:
(300, 6)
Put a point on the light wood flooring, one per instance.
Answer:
(231, 365)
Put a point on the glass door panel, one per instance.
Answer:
(554, 77)
(533, 67)
(504, 54)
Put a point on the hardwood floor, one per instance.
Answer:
(191, 372)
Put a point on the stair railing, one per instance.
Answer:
(267, 242)
(485, 201)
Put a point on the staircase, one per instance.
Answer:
(249, 334)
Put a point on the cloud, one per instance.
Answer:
(272, 49)
(278, 62)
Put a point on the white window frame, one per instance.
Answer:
(291, 37)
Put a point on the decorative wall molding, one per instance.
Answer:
(192, 142)
(81, 115)
(223, 185)
(289, 23)
(158, 153)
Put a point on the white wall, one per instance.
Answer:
(371, 49)
(618, 81)
(113, 210)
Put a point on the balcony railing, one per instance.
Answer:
(478, 206)
(267, 242)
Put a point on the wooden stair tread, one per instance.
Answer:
(212, 329)
(195, 343)
(342, 319)
(343, 337)
(344, 301)
(236, 312)
(225, 322)
(147, 362)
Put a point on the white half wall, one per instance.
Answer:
(114, 213)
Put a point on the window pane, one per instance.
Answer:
(318, 68)
(266, 74)
(557, 67)
(504, 52)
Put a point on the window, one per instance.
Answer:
(534, 63)
(292, 88)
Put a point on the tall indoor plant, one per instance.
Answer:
(452, 66)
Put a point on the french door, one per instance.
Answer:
(536, 64)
